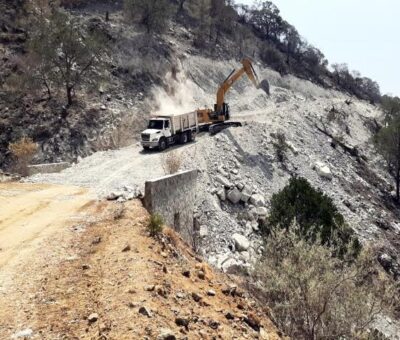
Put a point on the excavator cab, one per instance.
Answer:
(223, 112)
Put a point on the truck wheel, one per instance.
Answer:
(162, 144)
(184, 138)
(192, 136)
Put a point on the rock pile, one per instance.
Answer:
(126, 193)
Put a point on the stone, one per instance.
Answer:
(245, 256)
(24, 334)
(112, 196)
(253, 321)
(182, 322)
(245, 196)
(255, 226)
(201, 275)
(229, 264)
(126, 248)
(222, 171)
(291, 146)
(96, 240)
(203, 232)
(93, 317)
(323, 170)
(229, 316)
(196, 297)
(166, 334)
(145, 311)
(263, 334)
(103, 107)
(213, 324)
(224, 181)
(180, 295)
(211, 292)
(221, 194)
(257, 200)
(186, 273)
(229, 290)
(241, 242)
(234, 195)
(262, 212)
(149, 288)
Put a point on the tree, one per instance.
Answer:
(266, 19)
(62, 53)
(274, 58)
(203, 29)
(292, 41)
(390, 106)
(223, 17)
(315, 213)
(388, 143)
(153, 14)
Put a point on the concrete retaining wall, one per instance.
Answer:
(173, 197)
(47, 168)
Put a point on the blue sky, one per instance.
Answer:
(365, 34)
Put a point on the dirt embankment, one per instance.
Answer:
(94, 273)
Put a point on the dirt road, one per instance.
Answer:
(30, 212)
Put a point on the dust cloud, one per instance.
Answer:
(180, 95)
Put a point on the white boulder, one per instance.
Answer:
(323, 170)
(257, 200)
(241, 242)
(234, 195)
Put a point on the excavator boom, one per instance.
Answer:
(233, 78)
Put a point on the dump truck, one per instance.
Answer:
(164, 130)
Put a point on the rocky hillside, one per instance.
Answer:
(327, 140)
(109, 110)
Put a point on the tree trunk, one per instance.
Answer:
(398, 183)
(69, 95)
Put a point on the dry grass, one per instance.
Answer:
(23, 152)
(171, 162)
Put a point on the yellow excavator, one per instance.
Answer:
(216, 120)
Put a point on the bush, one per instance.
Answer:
(313, 295)
(23, 152)
(171, 162)
(316, 215)
(280, 146)
(155, 225)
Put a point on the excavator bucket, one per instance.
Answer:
(264, 85)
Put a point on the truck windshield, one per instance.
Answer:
(156, 124)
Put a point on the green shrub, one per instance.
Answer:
(155, 225)
(316, 215)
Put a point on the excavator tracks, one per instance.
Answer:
(215, 128)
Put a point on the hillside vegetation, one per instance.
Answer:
(75, 74)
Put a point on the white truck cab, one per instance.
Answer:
(165, 130)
